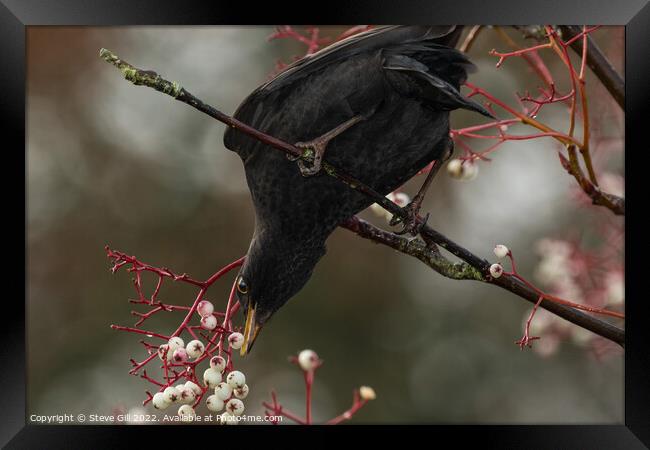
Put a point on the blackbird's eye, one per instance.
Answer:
(242, 287)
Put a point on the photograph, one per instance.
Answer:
(325, 224)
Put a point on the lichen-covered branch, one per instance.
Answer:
(141, 77)
(477, 269)
(428, 254)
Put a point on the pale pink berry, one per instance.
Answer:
(180, 356)
(218, 363)
(211, 378)
(159, 401)
(496, 270)
(208, 322)
(241, 393)
(187, 413)
(223, 391)
(236, 340)
(205, 308)
(195, 348)
(462, 170)
(235, 407)
(470, 171)
(308, 360)
(195, 387)
(187, 394)
(455, 168)
(175, 343)
(367, 393)
(171, 394)
(165, 353)
(236, 379)
(501, 251)
(214, 403)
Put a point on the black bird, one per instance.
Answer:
(377, 106)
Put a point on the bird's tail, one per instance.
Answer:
(430, 69)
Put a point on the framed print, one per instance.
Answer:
(422, 221)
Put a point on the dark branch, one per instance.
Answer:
(473, 267)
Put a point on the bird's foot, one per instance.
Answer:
(413, 223)
(312, 156)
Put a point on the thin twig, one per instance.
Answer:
(471, 38)
(598, 63)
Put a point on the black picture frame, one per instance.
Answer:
(16, 15)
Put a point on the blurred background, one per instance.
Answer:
(111, 163)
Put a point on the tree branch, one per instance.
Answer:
(473, 267)
(477, 269)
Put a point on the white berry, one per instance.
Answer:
(470, 171)
(195, 348)
(236, 379)
(214, 403)
(242, 392)
(236, 340)
(367, 393)
(211, 378)
(187, 395)
(455, 168)
(223, 391)
(171, 394)
(462, 170)
(159, 401)
(496, 270)
(175, 343)
(308, 360)
(205, 308)
(195, 387)
(164, 351)
(208, 322)
(501, 251)
(235, 407)
(180, 356)
(218, 363)
(186, 412)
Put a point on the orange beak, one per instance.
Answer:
(251, 331)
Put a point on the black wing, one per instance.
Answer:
(253, 107)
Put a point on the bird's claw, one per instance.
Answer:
(310, 160)
(315, 149)
(413, 223)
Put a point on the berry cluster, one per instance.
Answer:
(212, 340)
(228, 393)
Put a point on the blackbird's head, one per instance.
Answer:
(274, 271)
